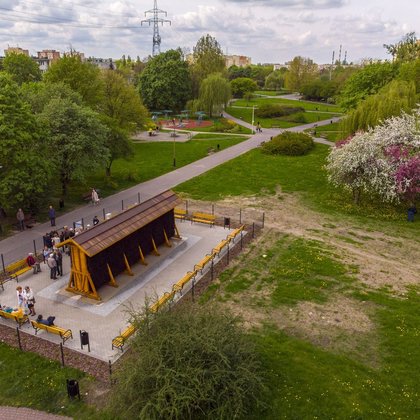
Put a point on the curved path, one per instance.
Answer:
(18, 245)
(21, 413)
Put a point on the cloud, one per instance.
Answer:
(299, 4)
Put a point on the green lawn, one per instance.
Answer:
(28, 380)
(257, 173)
(350, 374)
(330, 132)
(271, 92)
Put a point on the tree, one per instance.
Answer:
(21, 68)
(383, 162)
(208, 58)
(24, 177)
(122, 102)
(301, 70)
(367, 81)
(165, 82)
(274, 81)
(76, 140)
(214, 93)
(191, 363)
(406, 50)
(82, 77)
(234, 72)
(242, 85)
(393, 99)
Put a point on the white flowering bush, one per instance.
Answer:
(384, 161)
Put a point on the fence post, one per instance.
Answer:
(18, 336)
(138, 197)
(35, 248)
(228, 254)
(103, 212)
(83, 223)
(122, 205)
(192, 289)
(212, 267)
(186, 206)
(2, 263)
(62, 354)
(241, 240)
(263, 219)
(110, 371)
(253, 230)
(240, 216)
(212, 209)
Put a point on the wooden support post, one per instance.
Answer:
(155, 251)
(142, 260)
(177, 235)
(112, 281)
(127, 266)
(167, 242)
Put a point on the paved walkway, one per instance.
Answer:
(21, 413)
(18, 245)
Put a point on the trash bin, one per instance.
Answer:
(73, 388)
(84, 338)
(227, 222)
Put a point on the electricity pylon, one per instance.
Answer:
(155, 20)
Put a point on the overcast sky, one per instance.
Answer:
(272, 31)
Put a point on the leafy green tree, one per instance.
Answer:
(191, 363)
(259, 73)
(367, 81)
(122, 102)
(208, 58)
(234, 72)
(76, 140)
(82, 77)
(319, 90)
(165, 83)
(274, 81)
(393, 99)
(406, 50)
(301, 71)
(242, 85)
(214, 93)
(22, 68)
(410, 72)
(24, 176)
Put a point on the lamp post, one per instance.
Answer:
(174, 160)
(253, 111)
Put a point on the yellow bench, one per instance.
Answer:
(219, 247)
(53, 329)
(180, 213)
(20, 319)
(209, 219)
(164, 299)
(17, 268)
(203, 262)
(178, 286)
(119, 341)
(232, 235)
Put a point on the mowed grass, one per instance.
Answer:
(330, 132)
(305, 380)
(255, 173)
(28, 380)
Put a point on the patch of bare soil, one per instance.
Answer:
(342, 324)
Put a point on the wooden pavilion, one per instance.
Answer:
(99, 254)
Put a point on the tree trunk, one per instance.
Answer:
(356, 195)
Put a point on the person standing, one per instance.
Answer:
(52, 264)
(30, 300)
(20, 297)
(51, 215)
(95, 197)
(20, 216)
(31, 261)
(59, 260)
(411, 212)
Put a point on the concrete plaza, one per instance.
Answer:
(105, 319)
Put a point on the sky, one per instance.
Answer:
(268, 31)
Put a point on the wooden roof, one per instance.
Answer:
(107, 233)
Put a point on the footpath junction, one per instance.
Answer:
(152, 252)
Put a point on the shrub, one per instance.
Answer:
(288, 143)
(276, 110)
(190, 363)
(299, 118)
(223, 125)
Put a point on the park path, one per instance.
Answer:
(18, 245)
(21, 413)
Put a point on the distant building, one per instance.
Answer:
(73, 53)
(102, 63)
(45, 58)
(237, 60)
(16, 50)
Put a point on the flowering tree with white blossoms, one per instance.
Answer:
(384, 161)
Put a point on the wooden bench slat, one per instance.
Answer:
(219, 247)
(184, 280)
(203, 262)
(119, 341)
(203, 218)
(53, 329)
(232, 235)
(180, 213)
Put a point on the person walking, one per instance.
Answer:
(20, 216)
(52, 264)
(30, 300)
(51, 215)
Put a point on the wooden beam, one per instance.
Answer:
(112, 281)
(167, 242)
(155, 251)
(127, 266)
(142, 260)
